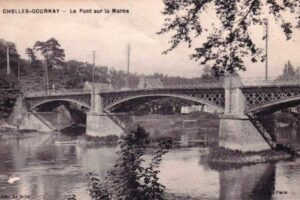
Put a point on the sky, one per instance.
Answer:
(109, 35)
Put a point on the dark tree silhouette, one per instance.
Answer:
(289, 72)
(13, 55)
(207, 73)
(31, 55)
(228, 41)
(131, 178)
(9, 91)
(51, 51)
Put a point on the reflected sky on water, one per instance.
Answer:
(49, 171)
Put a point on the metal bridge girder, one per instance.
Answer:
(258, 99)
(80, 99)
(213, 97)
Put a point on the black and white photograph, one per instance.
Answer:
(150, 99)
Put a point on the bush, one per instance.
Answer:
(9, 91)
(130, 178)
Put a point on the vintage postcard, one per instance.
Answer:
(149, 99)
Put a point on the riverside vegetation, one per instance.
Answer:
(132, 177)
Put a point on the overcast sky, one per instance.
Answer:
(109, 34)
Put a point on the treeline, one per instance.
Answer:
(47, 58)
(71, 74)
(32, 72)
(9, 86)
(289, 72)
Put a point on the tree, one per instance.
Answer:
(13, 55)
(131, 178)
(207, 72)
(289, 72)
(51, 51)
(9, 91)
(31, 55)
(228, 41)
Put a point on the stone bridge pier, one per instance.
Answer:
(236, 130)
(99, 123)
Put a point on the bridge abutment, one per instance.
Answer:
(99, 123)
(236, 130)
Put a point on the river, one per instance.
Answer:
(50, 172)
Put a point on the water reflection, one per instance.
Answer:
(248, 182)
(48, 171)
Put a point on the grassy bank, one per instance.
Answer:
(196, 125)
(221, 155)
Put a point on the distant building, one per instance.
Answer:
(193, 108)
(150, 83)
(56, 66)
(98, 86)
(202, 108)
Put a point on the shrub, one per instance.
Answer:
(9, 91)
(131, 178)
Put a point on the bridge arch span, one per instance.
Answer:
(275, 105)
(35, 105)
(176, 96)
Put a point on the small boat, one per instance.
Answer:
(13, 179)
(65, 142)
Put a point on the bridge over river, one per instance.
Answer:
(239, 102)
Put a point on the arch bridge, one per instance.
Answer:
(239, 102)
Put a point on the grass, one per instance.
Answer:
(172, 125)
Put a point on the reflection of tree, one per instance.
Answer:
(265, 185)
(5, 155)
(253, 182)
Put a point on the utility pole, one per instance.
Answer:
(230, 93)
(7, 61)
(267, 38)
(47, 77)
(19, 70)
(128, 63)
(93, 82)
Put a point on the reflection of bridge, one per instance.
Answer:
(239, 101)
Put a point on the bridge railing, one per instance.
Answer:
(215, 83)
(56, 92)
(271, 81)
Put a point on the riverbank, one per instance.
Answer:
(223, 156)
(5, 126)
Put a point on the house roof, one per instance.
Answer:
(97, 86)
(150, 83)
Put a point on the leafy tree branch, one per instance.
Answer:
(227, 42)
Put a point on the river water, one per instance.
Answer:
(49, 171)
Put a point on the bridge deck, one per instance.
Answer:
(67, 92)
(218, 84)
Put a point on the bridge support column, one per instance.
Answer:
(99, 123)
(236, 130)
